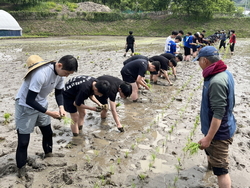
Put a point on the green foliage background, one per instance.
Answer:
(46, 18)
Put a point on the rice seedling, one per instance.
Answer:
(147, 81)
(96, 152)
(178, 168)
(153, 156)
(149, 85)
(175, 180)
(118, 104)
(118, 161)
(87, 158)
(112, 169)
(142, 176)
(6, 118)
(150, 165)
(138, 140)
(157, 149)
(179, 160)
(67, 120)
(126, 154)
(133, 146)
(96, 185)
(191, 147)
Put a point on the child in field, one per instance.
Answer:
(130, 43)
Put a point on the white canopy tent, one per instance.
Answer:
(9, 25)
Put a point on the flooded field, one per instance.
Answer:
(149, 154)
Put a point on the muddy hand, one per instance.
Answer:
(98, 108)
(105, 107)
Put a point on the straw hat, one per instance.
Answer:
(33, 62)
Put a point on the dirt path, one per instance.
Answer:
(150, 152)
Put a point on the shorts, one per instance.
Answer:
(68, 104)
(187, 51)
(130, 46)
(218, 155)
(154, 73)
(194, 47)
(127, 77)
(27, 118)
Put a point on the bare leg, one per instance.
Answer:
(82, 113)
(134, 95)
(224, 181)
(104, 114)
(74, 124)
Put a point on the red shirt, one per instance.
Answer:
(232, 39)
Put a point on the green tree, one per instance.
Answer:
(201, 8)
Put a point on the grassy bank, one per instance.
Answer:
(145, 27)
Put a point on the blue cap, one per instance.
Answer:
(206, 52)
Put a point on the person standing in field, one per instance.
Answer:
(187, 40)
(130, 43)
(232, 41)
(217, 120)
(168, 40)
(31, 105)
(223, 38)
(172, 45)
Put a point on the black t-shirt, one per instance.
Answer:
(134, 58)
(163, 61)
(114, 83)
(135, 68)
(79, 88)
(130, 39)
(168, 55)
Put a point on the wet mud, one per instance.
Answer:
(150, 151)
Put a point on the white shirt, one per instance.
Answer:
(167, 46)
(42, 81)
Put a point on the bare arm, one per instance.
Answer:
(92, 97)
(140, 81)
(166, 76)
(214, 126)
(114, 113)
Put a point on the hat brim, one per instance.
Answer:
(35, 67)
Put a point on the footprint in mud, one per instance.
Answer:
(8, 169)
(42, 155)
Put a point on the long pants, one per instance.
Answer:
(23, 143)
(222, 44)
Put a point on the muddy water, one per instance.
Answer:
(157, 128)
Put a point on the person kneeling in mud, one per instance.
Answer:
(134, 73)
(165, 64)
(116, 86)
(78, 89)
